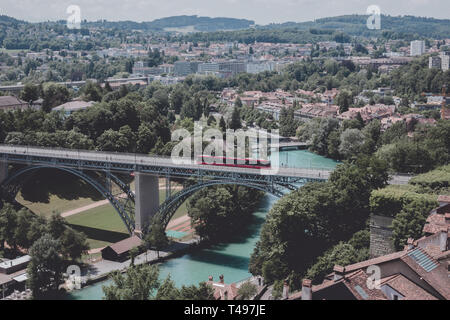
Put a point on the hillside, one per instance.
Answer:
(195, 23)
(356, 25)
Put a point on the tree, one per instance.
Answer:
(138, 283)
(202, 292)
(222, 125)
(8, 226)
(146, 139)
(73, 244)
(177, 98)
(247, 290)
(277, 289)
(344, 100)
(372, 133)
(344, 253)
(24, 219)
(45, 268)
(317, 132)
(288, 125)
(238, 102)
(54, 95)
(92, 92)
(168, 290)
(157, 238)
(316, 217)
(29, 93)
(224, 207)
(409, 222)
(235, 122)
(56, 226)
(352, 141)
(134, 252)
(142, 283)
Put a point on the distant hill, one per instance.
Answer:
(356, 25)
(9, 21)
(194, 23)
(401, 27)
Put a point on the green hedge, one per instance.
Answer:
(436, 181)
(389, 201)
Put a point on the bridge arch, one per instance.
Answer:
(167, 210)
(11, 188)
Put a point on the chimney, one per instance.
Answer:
(306, 289)
(410, 244)
(443, 238)
(225, 295)
(285, 290)
(339, 272)
(221, 280)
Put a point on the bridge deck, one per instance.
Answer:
(159, 165)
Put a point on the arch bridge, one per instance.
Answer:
(137, 209)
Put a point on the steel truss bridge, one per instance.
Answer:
(102, 170)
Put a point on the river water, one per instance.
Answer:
(231, 259)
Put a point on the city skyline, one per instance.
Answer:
(261, 11)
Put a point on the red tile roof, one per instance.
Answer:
(375, 261)
(223, 291)
(407, 288)
(436, 278)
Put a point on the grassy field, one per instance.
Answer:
(55, 204)
(103, 226)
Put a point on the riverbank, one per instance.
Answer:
(101, 270)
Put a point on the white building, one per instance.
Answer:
(445, 61)
(257, 67)
(209, 67)
(440, 62)
(417, 48)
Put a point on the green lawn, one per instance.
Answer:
(55, 204)
(103, 225)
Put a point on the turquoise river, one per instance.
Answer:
(231, 259)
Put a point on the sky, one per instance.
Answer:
(261, 11)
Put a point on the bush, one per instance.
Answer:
(389, 201)
(436, 181)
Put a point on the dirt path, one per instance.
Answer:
(85, 208)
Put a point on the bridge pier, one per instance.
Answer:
(146, 200)
(3, 170)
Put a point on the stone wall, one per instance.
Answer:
(380, 236)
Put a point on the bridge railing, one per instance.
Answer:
(135, 159)
(107, 155)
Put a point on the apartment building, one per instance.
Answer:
(417, 48)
